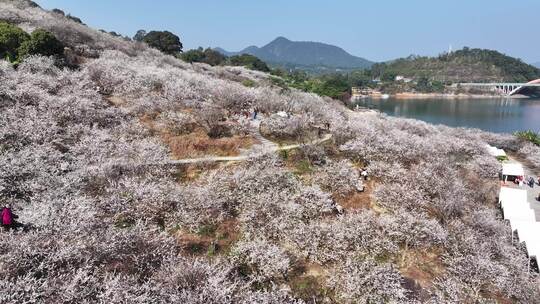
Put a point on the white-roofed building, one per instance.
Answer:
(512, 170)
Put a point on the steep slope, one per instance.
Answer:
(466, 65)
(283, 51)
(85, 163)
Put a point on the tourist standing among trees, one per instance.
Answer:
(7, 217)
(364, 174)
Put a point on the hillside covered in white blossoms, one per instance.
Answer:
(87, 145)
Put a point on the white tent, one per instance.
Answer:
(513, 169)
(512, 196)
(500, 152)
(533, 248)
(495, 151)
(525, 227)
(519, 214)
(529, 232)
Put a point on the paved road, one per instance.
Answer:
(532, 194)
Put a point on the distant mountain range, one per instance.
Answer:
(536, 64)
(313, 56)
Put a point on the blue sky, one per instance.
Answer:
(377, 30)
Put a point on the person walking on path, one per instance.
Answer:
(7, 217)
(364, 174)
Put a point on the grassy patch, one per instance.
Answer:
(277, 81)
(284, 154)
(308, 288)
(303, 167)
(123, 222)
(249, 83)
(195, 248)
(357, 200)
(191, 172)
(529, 136)
(210, 239)
(306, 281)
(207, 230)
(200, 144)
(502, 158)
(195, 141)
(422, 266)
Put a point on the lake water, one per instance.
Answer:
(495, 115)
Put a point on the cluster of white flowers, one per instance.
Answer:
(102, 220)
(368, 282)
(265, 261)
(340, 177)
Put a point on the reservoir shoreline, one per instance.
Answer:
(496, 114)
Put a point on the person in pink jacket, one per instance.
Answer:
(7, 217)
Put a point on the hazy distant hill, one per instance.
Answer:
(536, 64)
(474, 65)
(304, 55)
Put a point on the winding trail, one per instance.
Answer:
(265, 146)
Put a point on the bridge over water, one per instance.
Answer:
(509, 88)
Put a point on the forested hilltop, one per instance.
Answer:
(465, 65)
(416, 74)
(90, 141)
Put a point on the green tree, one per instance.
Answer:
(139, 36)
(250, 62)
(278, 72)
(529, 136)
(333, 85)
(195, 55)
(210, 56)
(58, 11)
(76, 19)
(115, 34)
(360, 79)
(41, 42)
(164, 41)
(11, 38)
(388, 76)
(213, 57)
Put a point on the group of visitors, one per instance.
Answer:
(521, 180)
(251, 113)
(323, 129)
(530, 181)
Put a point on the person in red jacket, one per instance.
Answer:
(7, 217)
